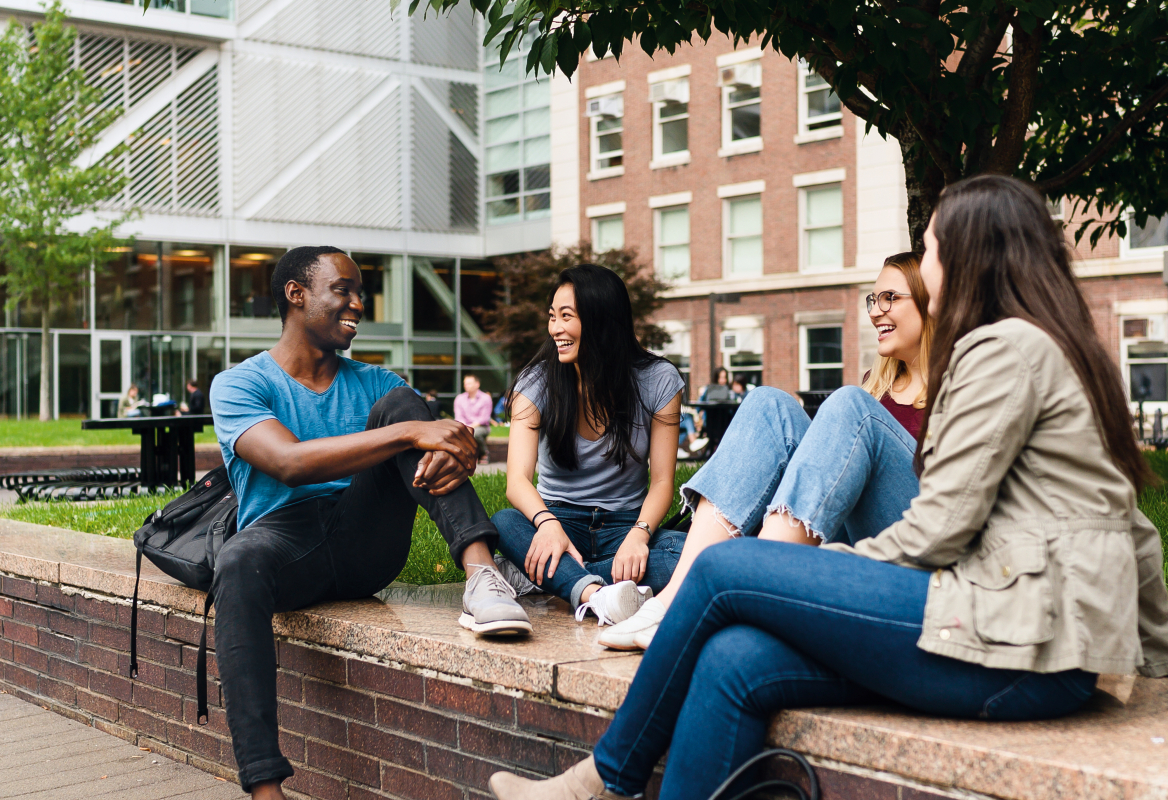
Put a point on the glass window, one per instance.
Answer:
(607, 141)
(823, 358)
(741, 103)
(670, 118)
(158, 286)
(73, 373)
(822, 228)
(20, 374)
(608, 233)
(479, 287)
(383, 283)
(433, 297)
(251, 284)
(818, 105)
(518, 144)
(744, 236)
(673, 243)
(1152, 234)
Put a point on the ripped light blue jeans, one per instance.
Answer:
(847, 475)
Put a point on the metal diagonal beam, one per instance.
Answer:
(315, 150)
(150, 105)
(443, 111)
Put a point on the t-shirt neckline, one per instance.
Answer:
(312, 392)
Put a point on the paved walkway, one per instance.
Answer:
(45, 755)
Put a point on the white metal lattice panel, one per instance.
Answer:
(281, 108)
(431, 168)
(364, 27)
(245, 9)
(356, 182)
(446, 40)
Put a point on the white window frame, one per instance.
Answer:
(680, 345)
(819, 134)
(661, 160)
(596, 172)
(1127, 251)
(754, 144)
(657, 245)
(600, 213)
(755, 328)
(805, 368)
(804, 229)
(727, 266)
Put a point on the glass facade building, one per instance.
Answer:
(251, 130)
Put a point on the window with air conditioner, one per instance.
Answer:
(741, 107)
(606, 118)
(819, 107)
(672, 234)
(1144, 357)
(821, 228)
(1150, 236)
(821, 357)
(670, 101)
(742, 349)
(742, 226)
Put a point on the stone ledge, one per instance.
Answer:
(558, 686)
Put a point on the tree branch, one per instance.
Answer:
(981, 50)
(1019, 104)
(1056, 184)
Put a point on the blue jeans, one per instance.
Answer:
(597, 534)
(760, 626)
(847, 475)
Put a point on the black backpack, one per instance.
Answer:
(183, 540)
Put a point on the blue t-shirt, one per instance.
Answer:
(257, 390)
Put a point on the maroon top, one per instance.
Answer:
(910, 418)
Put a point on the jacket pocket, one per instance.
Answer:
(1013, 600)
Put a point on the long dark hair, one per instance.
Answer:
(609, 357)
(1005, 257)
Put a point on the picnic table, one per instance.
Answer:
(168, 445)
(719, 414)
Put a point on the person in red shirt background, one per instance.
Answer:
(473, 409)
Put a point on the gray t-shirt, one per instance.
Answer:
(599, 482)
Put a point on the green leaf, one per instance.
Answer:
(649, 42)
(551, 46)
(568, 55)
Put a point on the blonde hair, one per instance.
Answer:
(887, 370)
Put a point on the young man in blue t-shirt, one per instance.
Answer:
(330, 459)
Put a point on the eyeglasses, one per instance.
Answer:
(884, 300)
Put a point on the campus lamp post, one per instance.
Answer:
(735, 298)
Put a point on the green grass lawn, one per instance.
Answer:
(68, 433)
(429, 560)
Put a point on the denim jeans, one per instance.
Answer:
(847, 474)
(760, 626)
(341, 546)
(597, 534)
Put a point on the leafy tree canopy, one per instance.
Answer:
(518, 323)
(48, 117)
(1068, 94)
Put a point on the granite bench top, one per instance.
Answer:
(1114, 749)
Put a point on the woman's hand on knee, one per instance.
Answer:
(547, 548)
(632, 557)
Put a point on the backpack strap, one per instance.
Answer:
(134, 619)
(201, 665)
(812, 793)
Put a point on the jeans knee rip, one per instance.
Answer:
(787, 514)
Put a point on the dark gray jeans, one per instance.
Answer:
(341, 546)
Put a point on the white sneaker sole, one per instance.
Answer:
(501, 627)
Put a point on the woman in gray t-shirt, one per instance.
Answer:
(593, 410)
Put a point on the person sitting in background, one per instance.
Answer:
(130, 405)
(431, 400)
(739, 390)
(499, 414)
(718, 390)
(197, 402)
(473, 409)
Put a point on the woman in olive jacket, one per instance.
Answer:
(1020, 571)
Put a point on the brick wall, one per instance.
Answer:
(354, 729)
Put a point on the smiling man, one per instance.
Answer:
(330, 459)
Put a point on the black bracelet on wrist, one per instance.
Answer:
(549, 519)
(537, 513)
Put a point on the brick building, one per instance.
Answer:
(736, 172)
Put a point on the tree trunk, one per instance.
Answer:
(46, 367)
(923, 180)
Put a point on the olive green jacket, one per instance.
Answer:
(1041, 560)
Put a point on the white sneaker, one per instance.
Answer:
(697, 445)
(488, 604)
(626, 635)
(682, 454)
(515, 576)
(645, 638)
(616, 603)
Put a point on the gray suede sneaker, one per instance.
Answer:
(488, 604)
(515, 576)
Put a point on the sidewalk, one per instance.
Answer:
(45, 755)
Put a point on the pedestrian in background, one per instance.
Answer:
(473, 409)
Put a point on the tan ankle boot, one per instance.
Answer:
(581, 782)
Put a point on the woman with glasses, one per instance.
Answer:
(1021, 571)
(848, 474)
